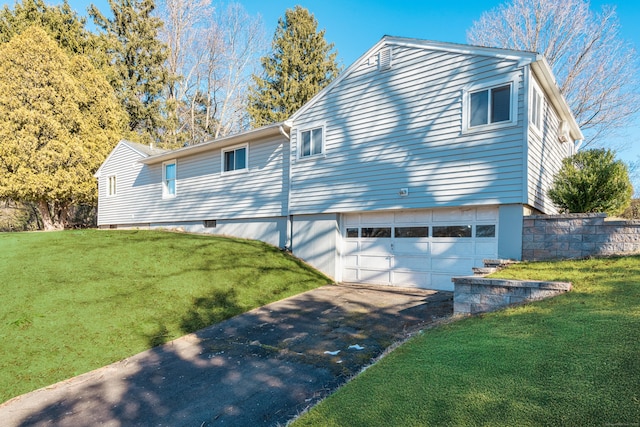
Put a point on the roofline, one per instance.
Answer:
(542, 70)
(121, 142)
(280, 128)
(411, 42)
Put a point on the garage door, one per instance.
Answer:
(417, 248)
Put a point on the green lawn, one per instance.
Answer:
(573, 360)
(73, 301)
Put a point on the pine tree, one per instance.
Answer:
(61, 22)
(592, 181)
(300, 65)
(59, 119)
(138, 57)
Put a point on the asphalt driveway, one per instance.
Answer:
(260, 368)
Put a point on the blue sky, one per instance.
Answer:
(356, 25)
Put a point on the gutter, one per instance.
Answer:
(289, 239)
(239, 138)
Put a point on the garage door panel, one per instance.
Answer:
(413, 217)
(351, 247)
(486, 248)
(374, 261)
(451, 247)
(382, 246)
(411, 278)
(411, 246)
(375, 276)
(455, 265)
(486, 214)
(350, 275)
(350, 260)
(419, 263)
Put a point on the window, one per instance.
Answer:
(210, 223)
(169, 179)
(407, 232)
(485, 231)
(234, 159)
(111, 190)
(311, 142)
(536, 108)
(452, 231)
(352, 232)
(376, 232)
(489, 106)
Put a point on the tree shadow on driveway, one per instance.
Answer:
(262, 367)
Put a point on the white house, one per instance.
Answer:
(415, 164)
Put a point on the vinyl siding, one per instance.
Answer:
(544, 159)
(402, 128)
(202, 191)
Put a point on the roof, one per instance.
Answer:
(140, 149)
(538, 64)
(281, 128)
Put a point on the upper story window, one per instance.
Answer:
(537, 103)
(169, 179)
(111, 182)
(490, 105)
(234, 159)
(311, 142)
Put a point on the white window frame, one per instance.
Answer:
(234, 148)
(536, 108)
(488, 86)
(112, 186)
(165, 188)
(311, 155)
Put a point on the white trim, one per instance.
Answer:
(115, 185)
(309, 128)
(234, 148)
(535, 90)
(165, 192)
(510, 79)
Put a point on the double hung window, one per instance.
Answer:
(169, 179)
(111, 189)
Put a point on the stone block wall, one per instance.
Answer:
(473, 295)
(549, 237)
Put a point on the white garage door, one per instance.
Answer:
(417, 248)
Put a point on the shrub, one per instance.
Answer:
(592, 181)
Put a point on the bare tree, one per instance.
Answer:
(213, 51)
(595, 68)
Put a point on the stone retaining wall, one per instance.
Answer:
(474, 295)
(548, 237)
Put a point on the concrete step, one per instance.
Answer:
(483, 271)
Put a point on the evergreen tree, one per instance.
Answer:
(59, 119)
(138, 57)
(592, 181)
(300, 65)
(61, 22)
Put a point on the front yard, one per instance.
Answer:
(573, 360)
(74, 301)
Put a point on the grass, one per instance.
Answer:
(76, 300)
(573, 360)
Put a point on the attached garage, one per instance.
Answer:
(421, 248)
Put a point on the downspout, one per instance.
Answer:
(289, 239)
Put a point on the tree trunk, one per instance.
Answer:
(49, 222)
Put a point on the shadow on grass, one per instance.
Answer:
(261, 367)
